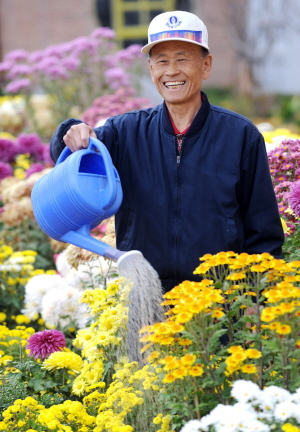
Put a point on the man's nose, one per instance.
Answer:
(172, 69)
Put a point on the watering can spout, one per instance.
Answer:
(86, 241)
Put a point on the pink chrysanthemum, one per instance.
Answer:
(294, 197)
(46, 342)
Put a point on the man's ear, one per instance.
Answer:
(207, 65)
(150, 68)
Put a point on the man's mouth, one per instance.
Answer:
(174, 84)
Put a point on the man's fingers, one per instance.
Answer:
(78, 136)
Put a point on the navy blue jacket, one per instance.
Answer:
(220, 197)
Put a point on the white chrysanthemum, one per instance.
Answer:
(75, 279)
(82, 316)
(254, 426)
(272, 395)
(285, 410)
(244, 391)
(61, 307)
(205, 423)
(35, 290)
(62, 265)
(192, 426)
(235, 417)
(295, 397)
(11, 267)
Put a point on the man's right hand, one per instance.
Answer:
(78, 136)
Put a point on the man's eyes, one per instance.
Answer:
(165, 61)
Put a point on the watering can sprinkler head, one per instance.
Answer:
(118, 256)
(124, 255)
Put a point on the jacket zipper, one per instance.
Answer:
(178, 154)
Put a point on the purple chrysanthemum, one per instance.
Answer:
(18, 85)
(294, 197)
(116, 77)
(36, 56)
(35, 167)
(44, 343)
(17, 55)
(103, 32)
(19, 70)
(71, 63)
(5, 170)
(8, 150)
(6, 66)
(29, 143)
(56, 72)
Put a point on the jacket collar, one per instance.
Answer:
(197, 123)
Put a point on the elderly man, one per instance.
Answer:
(195, 177)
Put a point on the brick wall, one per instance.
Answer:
(35, 24)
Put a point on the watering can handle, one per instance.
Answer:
(95, 144)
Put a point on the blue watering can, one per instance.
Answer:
(81, 191)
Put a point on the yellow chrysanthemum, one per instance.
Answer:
(266, 315)
(169, 378)
(253, 353)
(249, 368)
(283, 329)
(239, 356)
(61, 360)
(235, 348)
(288, 427)
(236, 276)
(196, 371)
(188, 359)
(218, 313)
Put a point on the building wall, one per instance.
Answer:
(223, 70)
(35, 24)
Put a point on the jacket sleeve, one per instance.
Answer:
(57, 144)
(106, 134)
(261, 221)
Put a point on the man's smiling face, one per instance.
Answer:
(177, 69)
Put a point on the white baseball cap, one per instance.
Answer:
(176, 25)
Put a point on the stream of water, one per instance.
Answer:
(145, 299)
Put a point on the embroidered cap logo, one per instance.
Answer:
(173, 22)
